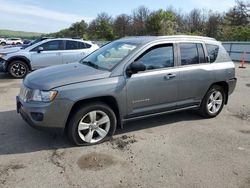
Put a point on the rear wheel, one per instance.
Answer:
(92, 124)
(3, 43)
(18, 69)
(213, 102)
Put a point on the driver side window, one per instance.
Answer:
(51, 46)
(157, 57)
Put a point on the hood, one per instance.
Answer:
(59, 75)
(9, 50)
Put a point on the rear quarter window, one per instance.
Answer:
(212, 51)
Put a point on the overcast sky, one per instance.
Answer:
(52, 15)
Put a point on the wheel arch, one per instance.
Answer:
(224, 86)
(20, 58)
(108, 100)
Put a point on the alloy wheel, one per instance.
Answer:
(214, 102)
(94, 126)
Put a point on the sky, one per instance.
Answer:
(53, 15)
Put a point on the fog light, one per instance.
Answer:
(37, 116)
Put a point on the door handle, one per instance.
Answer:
(169, 76)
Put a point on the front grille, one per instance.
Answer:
(25, 93)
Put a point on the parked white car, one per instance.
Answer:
(13, 41)
(18, 62)
(2, 41)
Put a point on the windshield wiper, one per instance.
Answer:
(91, 64)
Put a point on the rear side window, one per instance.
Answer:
(82, 45)
(160, 56)
(71, 45)
(212, 51)
(189, 54)
(87, 45)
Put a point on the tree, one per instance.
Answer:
(78, 29)
(122, 26)
(140, 17)
(213, 25)
(236, 24)
(101, 28)
(161, 23)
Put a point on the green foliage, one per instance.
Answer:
(21, 34)
(76, 30)
(161, 23)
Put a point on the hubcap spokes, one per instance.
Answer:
(94, 126)
(214, 102)
(18, 69)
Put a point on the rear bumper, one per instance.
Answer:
(231, 85)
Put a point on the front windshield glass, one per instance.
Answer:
(108, 56)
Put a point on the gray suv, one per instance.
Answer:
(128, 79)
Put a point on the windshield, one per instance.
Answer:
(108, 56)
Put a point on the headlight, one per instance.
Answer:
(43, 96)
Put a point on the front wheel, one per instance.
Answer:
(18, 69)
(213, 102)
(91, 124)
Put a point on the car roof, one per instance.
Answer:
(79, 40)
(147, 39)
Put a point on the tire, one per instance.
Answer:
(18, 69)
(3, 43)
(213, 102)
(84, 131)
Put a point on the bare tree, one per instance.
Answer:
(122, 25)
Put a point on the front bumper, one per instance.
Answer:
(51, 117)
(2, 65)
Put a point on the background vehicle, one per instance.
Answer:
(128, 79)
(2, 41)
(44, 53)
(13, 41)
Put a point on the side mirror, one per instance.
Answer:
(135, 67)
(39, 49)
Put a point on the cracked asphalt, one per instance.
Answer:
(174, 150)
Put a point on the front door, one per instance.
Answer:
(51, 54)
(155, 89)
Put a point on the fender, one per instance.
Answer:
(19, 57)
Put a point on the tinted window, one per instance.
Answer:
(189, 54)
(51, 46)
(202, 58)
(87, 45)
(71, 45)
(81, 45)
(158, 57)
(212, 51)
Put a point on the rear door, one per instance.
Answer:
(155, 89)
(73, 52)
(195, 73)
(51, 54)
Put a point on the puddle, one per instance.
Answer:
(245, 131)
(96, 161)
(244, 113)
(123, 142)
